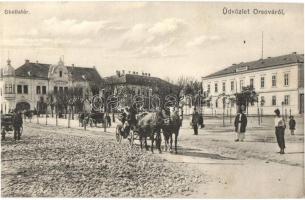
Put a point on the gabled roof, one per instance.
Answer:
(260, 64)
(35, 70)
(90, 74)
(40, 70)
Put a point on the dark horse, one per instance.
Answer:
(172, 126)
(149, 125)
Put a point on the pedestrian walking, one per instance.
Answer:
(292, 124)
(108, 120)
(195, 121)
(240, 124)
(17, 124)
(280, 126)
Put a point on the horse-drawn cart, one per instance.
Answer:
(91, 119)
(7, 126)
(126, 132)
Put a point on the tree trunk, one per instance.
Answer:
(72, 109)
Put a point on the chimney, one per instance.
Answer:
(72, 65)
(93, 67)
(123, 72)
(36, 61)
(27, 61)
(294, 52)
(128, 72)
(142, 73)
(118, 73)
(148, 74)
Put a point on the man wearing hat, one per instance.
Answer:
(195, 121)
(17, 124)
(280, 126)
(240, 124)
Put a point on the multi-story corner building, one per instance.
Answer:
(28, 85)
(140, 84)
(279, 82)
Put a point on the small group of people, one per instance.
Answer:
(240, 124)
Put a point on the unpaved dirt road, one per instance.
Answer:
(249, 169)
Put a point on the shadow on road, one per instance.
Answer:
(184, 152)
(295, 152)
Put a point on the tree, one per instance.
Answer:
(246, 96)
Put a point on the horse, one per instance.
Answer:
(149, 125)
(171, 127)
(28, 114)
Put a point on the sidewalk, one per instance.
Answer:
(61, 122)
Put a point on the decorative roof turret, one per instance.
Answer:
(8, 70)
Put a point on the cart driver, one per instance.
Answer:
(131, 117)
(122, 116)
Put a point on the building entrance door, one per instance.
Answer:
(23, 106)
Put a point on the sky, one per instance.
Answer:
(165, 39)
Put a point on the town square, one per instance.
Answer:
(114, 104)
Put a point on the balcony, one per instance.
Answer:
(9, 96)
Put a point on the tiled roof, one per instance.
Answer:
(133, 79)
(36, 70)
(39, 70)
(260, 64)
(91, 74)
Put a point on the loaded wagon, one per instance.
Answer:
(91, 119)
(7, 125)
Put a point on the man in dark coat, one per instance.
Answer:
(131, 118)
(292, 125)
(17, 124)
(240, 124)
(195, 121)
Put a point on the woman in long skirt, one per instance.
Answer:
(280, 126)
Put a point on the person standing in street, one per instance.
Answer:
(17, 124)
(292, 125)
(240, 124)
(280, 126)
(195, 121)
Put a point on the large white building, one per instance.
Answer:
(279, 81)
(28, 85)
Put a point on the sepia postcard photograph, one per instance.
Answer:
(147, 99)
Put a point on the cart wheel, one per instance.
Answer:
(118, 135)
(21, 130)
(3, 134)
